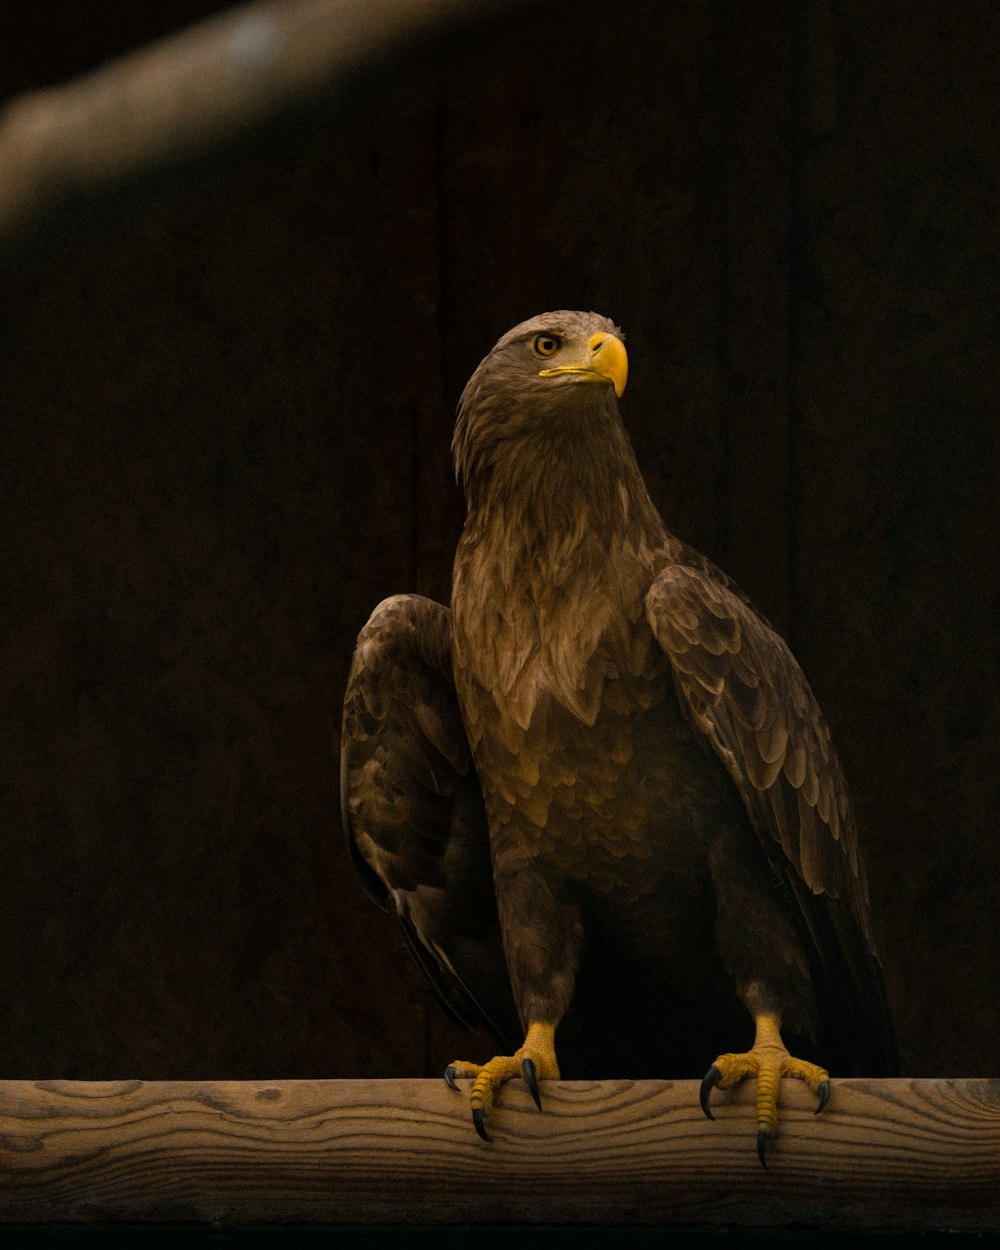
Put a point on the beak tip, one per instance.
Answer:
(614, 359)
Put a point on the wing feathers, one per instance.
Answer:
(413, 811)
(748, 695)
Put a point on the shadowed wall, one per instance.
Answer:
(228, 396)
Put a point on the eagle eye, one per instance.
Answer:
(545, 345)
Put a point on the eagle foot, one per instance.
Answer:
(768, 1061)
(533, 1061)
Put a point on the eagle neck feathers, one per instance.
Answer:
(560, 545)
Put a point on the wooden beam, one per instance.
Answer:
(208, 84)
(916, 1154)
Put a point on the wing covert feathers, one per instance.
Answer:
(412, 808)
(745, 691)
(747, 694)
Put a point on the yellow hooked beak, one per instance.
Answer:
(605, 360)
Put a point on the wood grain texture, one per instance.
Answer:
(886, 1154)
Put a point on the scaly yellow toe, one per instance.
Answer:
(534, 1060)
(768, 1060)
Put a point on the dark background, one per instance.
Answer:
(227, 397)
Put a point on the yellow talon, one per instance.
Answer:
(769, 1061)
(534, 1060)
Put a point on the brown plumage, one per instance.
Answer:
(598, 793)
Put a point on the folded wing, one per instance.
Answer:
(413, 811)
(745, 691)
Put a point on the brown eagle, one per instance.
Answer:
(598, 792)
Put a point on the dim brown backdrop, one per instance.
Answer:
(227, 396)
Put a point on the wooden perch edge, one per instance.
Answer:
(918, 1154)
(208, 84)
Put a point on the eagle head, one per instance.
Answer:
(544, 376)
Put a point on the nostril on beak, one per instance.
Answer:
(595, 346)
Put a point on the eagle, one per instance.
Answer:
(597, 791)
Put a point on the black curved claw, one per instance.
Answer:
(761, 1146)
(711, 1078)
(530, 1075)
(449, 1076)
(479, 1120)
(824, 1096)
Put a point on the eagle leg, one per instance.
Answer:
(534, 1060)
(768, 1061)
